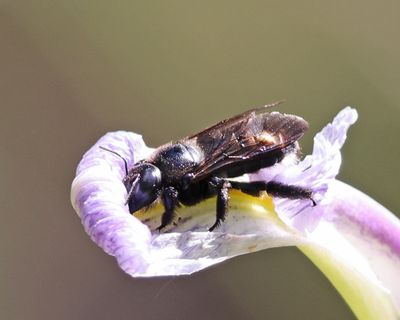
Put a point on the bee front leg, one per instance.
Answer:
(169, 199)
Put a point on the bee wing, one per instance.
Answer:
(248, 136)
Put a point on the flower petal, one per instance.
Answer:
(98, 196)
(351, 238)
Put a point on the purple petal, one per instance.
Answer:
(98, 196)
(353, 228)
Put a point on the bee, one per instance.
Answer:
(202, 165)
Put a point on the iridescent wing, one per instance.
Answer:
(247, 137)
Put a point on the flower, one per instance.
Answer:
(351, 238)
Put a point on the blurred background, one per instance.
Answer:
(72, 70)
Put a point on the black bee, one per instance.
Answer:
(200, 166)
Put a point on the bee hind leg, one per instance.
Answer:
(275, 189)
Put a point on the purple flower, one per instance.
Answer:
(350, 237)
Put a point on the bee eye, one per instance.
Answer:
(150, 177)
(144, 190)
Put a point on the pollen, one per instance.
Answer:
(267, 138)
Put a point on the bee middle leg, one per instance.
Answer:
(169, 199)
(222, 186)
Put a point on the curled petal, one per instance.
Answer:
(351, 238)
(98, 196)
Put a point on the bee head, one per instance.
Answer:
(142, 182)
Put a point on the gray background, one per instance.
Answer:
(72, 70)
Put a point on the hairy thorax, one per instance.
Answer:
(176, 160)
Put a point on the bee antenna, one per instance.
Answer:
(275, 104)
(116, 153)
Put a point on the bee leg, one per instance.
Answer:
(281, 190)
(222, 186)
(169, 199)
(275, 189)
